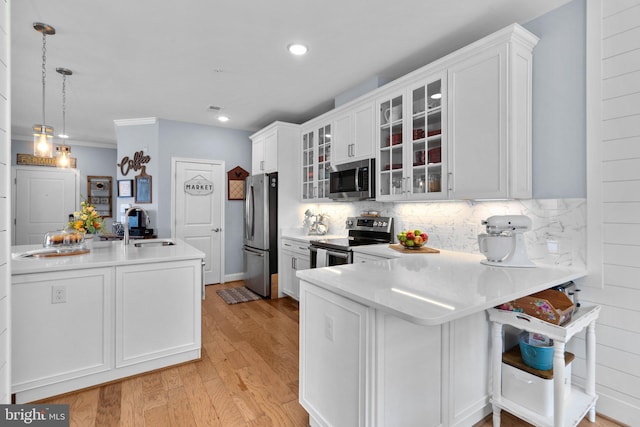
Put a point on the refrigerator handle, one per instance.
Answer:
(248, 214)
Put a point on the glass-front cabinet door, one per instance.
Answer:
(308, 166)
(428, 171)
(324, 161)
(411, 143)
(316, 163)
(391, 177)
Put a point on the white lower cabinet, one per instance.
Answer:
(79, 328)
(335, 362)
(360, 257)
(154, 311)
(362, 366)
(294, 256)
(62, 326)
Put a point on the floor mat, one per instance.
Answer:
(237, 295)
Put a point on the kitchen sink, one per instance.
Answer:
(148, 242)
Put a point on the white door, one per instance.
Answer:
(198, 215)
(43, 199)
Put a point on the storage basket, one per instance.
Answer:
(548, 305)
(534, 355)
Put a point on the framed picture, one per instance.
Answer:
(143, 188)
(125, 188)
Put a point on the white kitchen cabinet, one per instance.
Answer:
(360, 257)
(265, 144)
(94, 318)
(363, 365)
(335, 362)
(295, 256)
(354, 134)
(490, 121)
(155, 308)
(412, 142)
(62, 327)
(316, 161)
(474, 141)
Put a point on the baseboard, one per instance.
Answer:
(233, 277)
(616, 410)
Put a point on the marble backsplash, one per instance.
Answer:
(558, 235)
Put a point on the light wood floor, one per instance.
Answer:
(248, 376)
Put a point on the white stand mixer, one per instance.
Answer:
(503, 244)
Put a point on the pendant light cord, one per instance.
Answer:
(64, 104)
(44, 74)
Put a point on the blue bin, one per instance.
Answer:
(537, 356)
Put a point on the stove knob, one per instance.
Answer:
(349, 223)
(384, 224)
(375, 223)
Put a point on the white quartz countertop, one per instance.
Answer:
(432, 289)
(102, 254)
(305, 238)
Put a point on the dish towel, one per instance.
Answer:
(321, 258)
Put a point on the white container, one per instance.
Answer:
(530, 391)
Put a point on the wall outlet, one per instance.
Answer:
(328, 327)
(58, 294)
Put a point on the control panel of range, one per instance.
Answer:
(366, 223)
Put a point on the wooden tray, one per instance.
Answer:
(51, 255)
(514, 358)
(423, 250)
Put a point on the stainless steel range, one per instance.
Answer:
(363, 230)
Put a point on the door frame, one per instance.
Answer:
(223, 205)
(14, 187)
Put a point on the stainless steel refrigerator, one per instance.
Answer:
(260, 232)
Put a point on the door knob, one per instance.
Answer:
(217, 229)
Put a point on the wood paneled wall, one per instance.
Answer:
(618, 330)
(5, 202)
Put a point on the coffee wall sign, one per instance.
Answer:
(135, 164)
(198, 186)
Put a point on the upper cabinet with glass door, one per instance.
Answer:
(412, 151)
(428, 148)
(316, 162)
(391, 152)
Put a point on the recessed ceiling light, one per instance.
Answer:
(223, 118)
(297, 49)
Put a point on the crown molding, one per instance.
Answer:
(136, 122)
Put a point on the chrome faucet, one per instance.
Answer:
(126, 221)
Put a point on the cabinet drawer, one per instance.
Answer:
(295, 246)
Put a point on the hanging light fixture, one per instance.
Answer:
(43, 134)
(63, 150)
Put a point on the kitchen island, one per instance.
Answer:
(117, 311)
(405, 341)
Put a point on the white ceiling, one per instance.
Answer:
(172, 59)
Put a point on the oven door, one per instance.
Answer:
(331, 258)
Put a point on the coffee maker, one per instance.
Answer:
(138, 223)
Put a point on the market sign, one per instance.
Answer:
(198, 186)
(31, 160)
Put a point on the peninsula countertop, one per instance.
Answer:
(102, 254)
(432, 289)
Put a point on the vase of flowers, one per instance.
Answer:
(87, 219)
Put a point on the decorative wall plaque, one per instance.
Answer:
(235, 183)
(143, 187)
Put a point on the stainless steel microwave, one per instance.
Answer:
(353, 181)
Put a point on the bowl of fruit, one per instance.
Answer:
(413, 239)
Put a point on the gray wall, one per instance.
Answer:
(559, 99)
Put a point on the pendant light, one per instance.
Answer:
(42, 133)
(63, 150)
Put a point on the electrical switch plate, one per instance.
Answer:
(553, 247)
(58, 294)
(328, 327)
